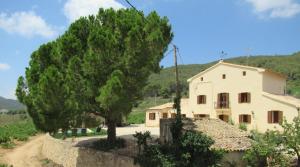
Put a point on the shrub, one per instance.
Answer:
(266, 150)
(192, 150)
(142, 139)
(105, 145)
(243, 126)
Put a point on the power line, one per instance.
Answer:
(181, 59)
(131, 5)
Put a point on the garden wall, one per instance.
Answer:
(67, 154)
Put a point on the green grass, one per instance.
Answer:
(137, 116)
(20, 131)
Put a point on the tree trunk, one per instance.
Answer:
(111, 131)
(298, 162)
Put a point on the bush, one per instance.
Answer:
(136, 117)
(193, 150)
(266, 150)
(104, 145)
(243, 126)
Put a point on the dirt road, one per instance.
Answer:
(27, 155)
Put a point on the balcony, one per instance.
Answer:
(222, 105)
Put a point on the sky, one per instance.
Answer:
(202, 28)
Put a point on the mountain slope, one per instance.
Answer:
(288, 65)
(10, 104)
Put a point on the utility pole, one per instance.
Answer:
(177, 98)
(176, 71)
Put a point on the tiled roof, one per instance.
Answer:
(226, 136)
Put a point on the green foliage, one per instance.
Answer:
(142, 139)
(136, 118)
(105, 145)
(100, 65)
(266, 150)
(19, 131)
(193, 149)
(291, 137)
(243, 126)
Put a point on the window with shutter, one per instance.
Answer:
(244, 97)
(275, 116)
(201, 99)
(152, 116)
(245, 118)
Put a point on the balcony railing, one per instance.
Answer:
(222, 105)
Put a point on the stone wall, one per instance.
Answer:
(67, 154)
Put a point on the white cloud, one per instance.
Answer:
(27, 24)
(275, 8)
(4, 67)
(74, 9)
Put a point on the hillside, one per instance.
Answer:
(10, 104)
(288, 65)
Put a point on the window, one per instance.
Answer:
(275, 116)
(201, 78)
(224, 76)
(201, 99)
(244, 73)
(244, 118)
(224, 118)
(165, 115)
(200, 116)
(223, 100)
(152, 116)
(244, 97)
(183, 115)
(173, 115)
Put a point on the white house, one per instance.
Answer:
(241, 94)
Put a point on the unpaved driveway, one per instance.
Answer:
(27, 155)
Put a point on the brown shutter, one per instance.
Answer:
(269, 117)
(198, 99)
(227, 100)
(249, 119)
(280, 115)
(240, 118)
(204, 101)
(249, 97)
(240, 97)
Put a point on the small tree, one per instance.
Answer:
(291, 137)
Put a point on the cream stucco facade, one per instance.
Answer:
(241, 94)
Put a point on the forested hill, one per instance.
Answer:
(288, 65)
(10, 104)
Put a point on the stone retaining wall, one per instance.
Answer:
(66, 154)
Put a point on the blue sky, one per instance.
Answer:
(202, 28)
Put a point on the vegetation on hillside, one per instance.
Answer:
(10, 104)
(288, 65)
